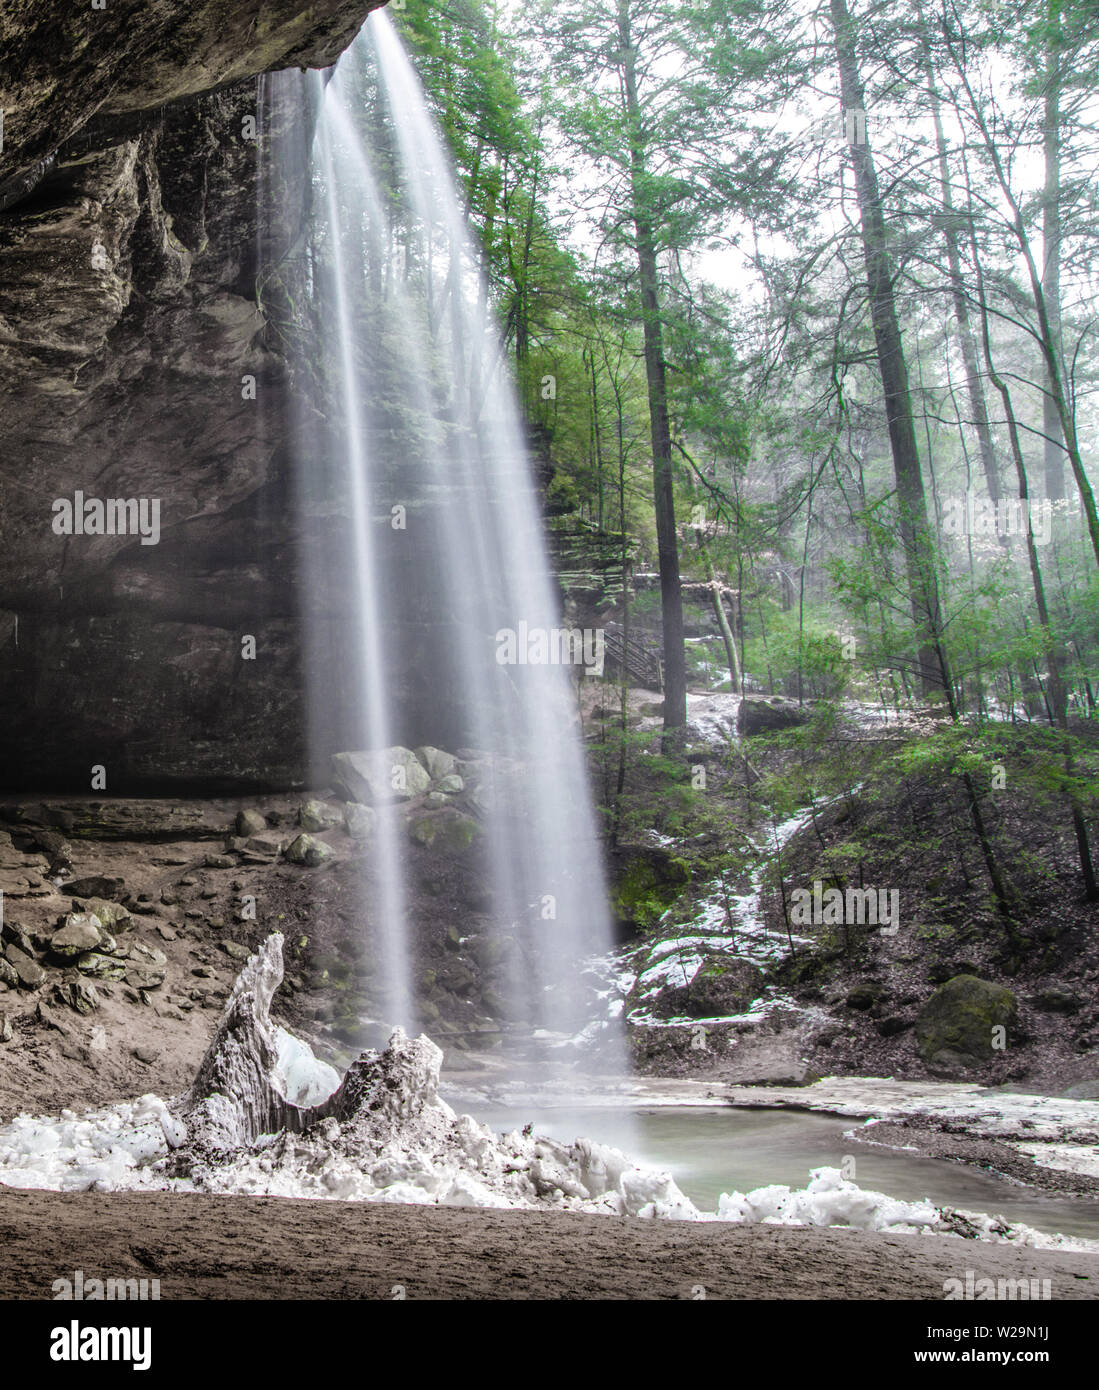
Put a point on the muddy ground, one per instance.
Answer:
(203, 1247)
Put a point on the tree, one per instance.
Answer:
(912, 503)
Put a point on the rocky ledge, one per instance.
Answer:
(129, 319)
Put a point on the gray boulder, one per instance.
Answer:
(81, 932)
(250, 823)
(96, 886)
(113, 916)
(28, 972)
(100, 967)
(79, 995)
(359, 820)
(954, 1030)
(723, 987)
(760, 715)
(437, 763)
(307, 851)
(381, 775)
(319, 815)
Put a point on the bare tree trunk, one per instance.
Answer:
(1056, 388)
(1057, 689)
(671, 598)
(967, 341)
(912, 502)
(1054, 448)
(720, 614)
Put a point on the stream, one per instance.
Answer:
(715, 1149)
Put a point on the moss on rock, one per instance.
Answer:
(956, 1027)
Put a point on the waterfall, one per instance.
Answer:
(433, 566)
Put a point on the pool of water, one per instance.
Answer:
(715, 1149)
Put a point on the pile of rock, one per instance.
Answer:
(80, 957)
(435, 789)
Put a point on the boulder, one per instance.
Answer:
(722, 987)
(262, 849)
(954, 1029)
(865, 995)
(1056, 1000)
(82, 932)
(143, 953)
(359, 820)
(319, 815)
(5, 1029)
(100, 967)
(96, 886)
(250, 823)
(13, 933)
(28, 972)
(113, 915)
(451, 785)
(78, 995)
(309, 852)
(437, 763)
(763, 715)
(381, 775)
(145, 976)
(449, 831)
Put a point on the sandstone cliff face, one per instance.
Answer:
(136, 361)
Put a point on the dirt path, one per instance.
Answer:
(203, 1247)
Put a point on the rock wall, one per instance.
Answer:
(137, 361)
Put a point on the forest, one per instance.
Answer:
(801, 304)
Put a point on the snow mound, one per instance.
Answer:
(828, 1200)
(265, 1117)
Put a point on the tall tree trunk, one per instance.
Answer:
(912, 502)
(966, 338)
(597, 438)
(671, 598)
(719, 612)
(1057, 383)
(1054, 448)
(1057, 688)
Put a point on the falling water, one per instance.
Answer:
(428, 431)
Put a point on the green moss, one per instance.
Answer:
(648, 886)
